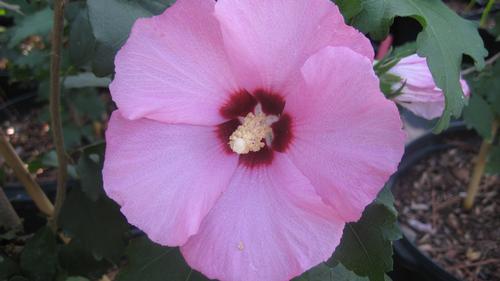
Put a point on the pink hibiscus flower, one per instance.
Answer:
(248, 133)
(420, 94)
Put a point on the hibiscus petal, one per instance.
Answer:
(268, 41)
(414, 71)
(428, 109)
(269, 225)
(348, 137)
(173, 67)
(165, 177)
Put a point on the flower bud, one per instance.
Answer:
(418, 92)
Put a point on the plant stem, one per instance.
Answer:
(479, 167)
(470, 5)
(489, 61)
(55, 108)
(8, 216)
(34, 190)
(486, 12)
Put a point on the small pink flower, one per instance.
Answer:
(248, 133)
(420, 94)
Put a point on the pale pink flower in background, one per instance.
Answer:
(420, 94)
(248, 133)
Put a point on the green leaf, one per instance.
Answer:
(72, 135)
(88, 103)
(76, 259)
(493, 165)
(89, 169)
(97, 225)
(349, 8)
(112, 21)
(156, 7)
(103, 59)
(366, 245)
(7, 267)
(81, 39)
(324, 272)
(18, 278)
(374, 17)
(77, 279)
(39, 258)
(386, 198)
(72, 10)
(478, 115)
(487, 85)
(444, 40)
(152, 262)
(49, 159)
(84, 80)
(39, 23)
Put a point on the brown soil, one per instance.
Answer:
(429, 199)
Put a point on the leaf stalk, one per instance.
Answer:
(479, 168)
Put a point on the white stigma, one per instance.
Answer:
(253, 134)
(239, 145)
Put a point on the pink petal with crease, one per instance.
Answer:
(173, 67)
(348, 137)
(268, 41)
(165, 177)
(269, 225)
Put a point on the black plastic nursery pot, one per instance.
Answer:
(409, 260)
(25, 207)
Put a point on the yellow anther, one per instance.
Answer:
(250, 136)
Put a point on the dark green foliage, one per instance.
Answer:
(478, 115)
(484, 105)
(149, 261)
(81, 39)
(493, 165)
(324, 272)
(38, 260)
(366, 246)
(89, 169)
(97, 225)
(76, 259)
(18, 278)
(76, 279)
(39, 23)
(8, 267)
(111, 22)
(85, 80)
(349, 8)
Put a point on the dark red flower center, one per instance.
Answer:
(239, 105)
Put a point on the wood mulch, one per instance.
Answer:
(429, 198)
